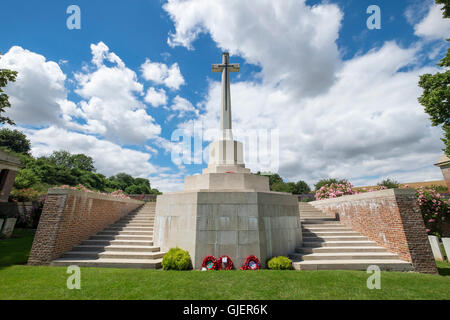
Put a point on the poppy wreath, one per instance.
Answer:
(251, 263)
(229, 263)
(210, 263)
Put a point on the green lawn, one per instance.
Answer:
(24, 282)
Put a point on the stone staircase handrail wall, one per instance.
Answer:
(72, 216)
(391, 218)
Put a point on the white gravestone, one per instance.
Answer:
(436, 248)
(446, 243)
(8, 227)
(1, 223)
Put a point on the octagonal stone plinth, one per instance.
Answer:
(227, 181)
(233, 223)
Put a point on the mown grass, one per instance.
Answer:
(26, 282)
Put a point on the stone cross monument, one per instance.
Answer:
(226, 154)
(226, 210)
(225, 116)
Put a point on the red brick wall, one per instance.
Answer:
(69, 217)
(392, 218)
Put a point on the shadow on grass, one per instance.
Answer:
(443, 268)
(16, 250)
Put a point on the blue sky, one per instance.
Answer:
(342, 97)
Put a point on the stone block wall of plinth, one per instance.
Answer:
(444, 164)
(236, 224)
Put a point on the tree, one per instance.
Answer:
(65, 160)
(25, 178)
(301, 187)
(121, 181)
(44, 170)
(5, 77)
(60, 159)
(276, 183)
(142, 181)
(445, 8)
(138, 189)
(15, 141)
(274, 178)
(82, 162)
(436, 91)
(281, 187)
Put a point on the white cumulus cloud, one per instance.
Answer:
(160, 73)
(39, 93)
(183, 107)
(111, 106)
(433, 26)
(156, 97)
(292, 42)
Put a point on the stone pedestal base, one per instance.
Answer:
(226, 169)
(227, 181)
(237, 224)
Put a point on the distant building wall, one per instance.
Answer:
(71, 216)
(391, 218)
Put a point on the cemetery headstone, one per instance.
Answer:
(446, 243)
(436, 248)
(8, 227)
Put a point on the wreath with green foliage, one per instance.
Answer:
(210, 263)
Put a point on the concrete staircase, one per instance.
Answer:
(330, 245)
(128, 243)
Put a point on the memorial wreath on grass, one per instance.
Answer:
(225, 263)
(210, 263)
(251, 263)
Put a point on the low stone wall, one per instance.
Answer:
(71, 216)
(392, 218)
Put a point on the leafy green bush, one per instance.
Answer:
(25, 178)
(389, 184)
(176, 259)
(280, 263)
(439, 189)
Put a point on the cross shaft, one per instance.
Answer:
(225, 118)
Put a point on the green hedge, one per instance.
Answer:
(280, 263)
(176, 259)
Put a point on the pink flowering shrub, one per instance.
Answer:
(334, 190)
(435, 209)
(116, 194)
(24, 195)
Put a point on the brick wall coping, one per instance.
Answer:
(92, 195)
(443, 161)
(8, 161)
(366, 196)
